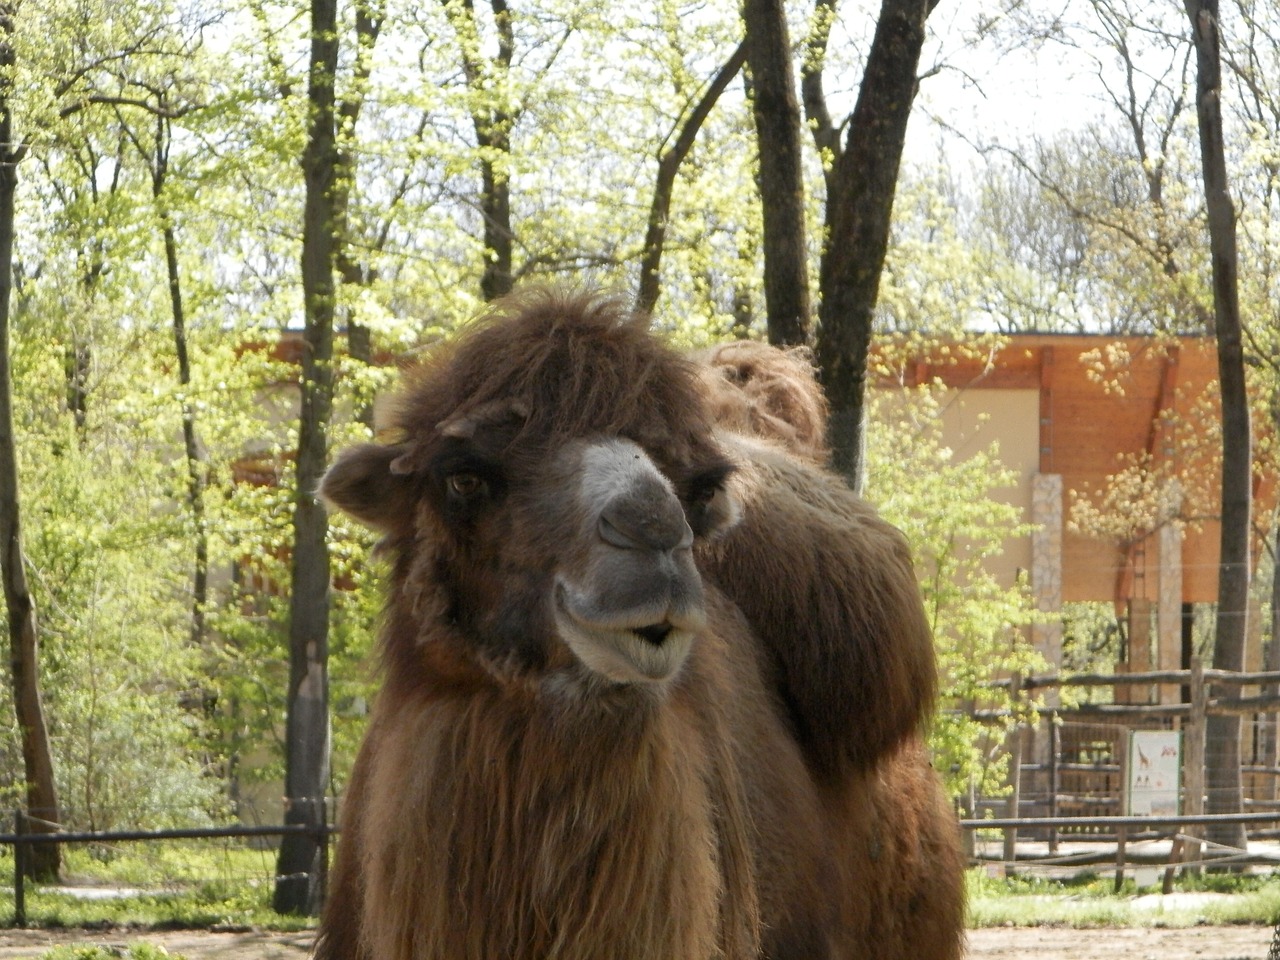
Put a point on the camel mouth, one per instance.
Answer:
(655, 633)
(618, 651)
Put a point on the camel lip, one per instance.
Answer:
(652, 622)
(652, 652)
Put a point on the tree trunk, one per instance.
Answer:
(495, 207)
(777, 116)
(493, 118)
(1271, 663)
(76, 364)
(668, 166)
(197, 469)
(1222, 774)
(352, 272)
(301, 863)
(43, 860)
(859, 206)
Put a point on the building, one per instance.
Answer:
(1115, 441)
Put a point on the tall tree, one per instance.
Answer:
(351, 269)
(861, 181)
(777, 118)
(1224, 792)
(493, 117)
(1253, 59)
(24, 646)
(300, 866)
(153, 100)
(669, 160)
(197, 465)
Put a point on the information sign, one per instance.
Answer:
(1155, 762)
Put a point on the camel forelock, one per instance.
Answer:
(548, 367)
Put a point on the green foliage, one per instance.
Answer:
(935, 281)
(948, 510)
(105, 547)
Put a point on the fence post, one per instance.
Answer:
(1175, 855)
(19, 870)
(1122, 838)
(1015, 771)
(1122, 833)
(1193, 760)
(324, 849)
(1055, 776)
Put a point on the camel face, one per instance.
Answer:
(628, 602)
(580, 560)
(546, 498)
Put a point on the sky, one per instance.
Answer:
(1008, 95)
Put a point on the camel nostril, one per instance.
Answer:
(610, 534)
(646, 517)
(655, 633)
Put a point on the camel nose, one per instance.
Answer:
(645, 519)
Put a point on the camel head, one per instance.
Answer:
(547, 475)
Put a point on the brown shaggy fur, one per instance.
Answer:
(828, 588)
(762, 391)
(829, 591)
(508, 803)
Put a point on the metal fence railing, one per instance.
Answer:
(23, 838)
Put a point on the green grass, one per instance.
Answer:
(202, 886)
(207, 907)
(173, 865)
(1089, 900)
(169, 885)
(141, 951)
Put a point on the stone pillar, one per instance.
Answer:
(1141, 657)
(1169, 607)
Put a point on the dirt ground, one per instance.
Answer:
(192, 944)
(1042, 943)
(1145, 943)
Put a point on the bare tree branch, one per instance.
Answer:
(668, 166)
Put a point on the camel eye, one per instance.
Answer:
(701, 496)
(465, 483)
(466, 486)
(702, 488)
(708, 506)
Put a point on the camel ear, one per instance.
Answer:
(369, 482)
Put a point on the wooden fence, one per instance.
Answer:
(1203, 693)
(1125, 830)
